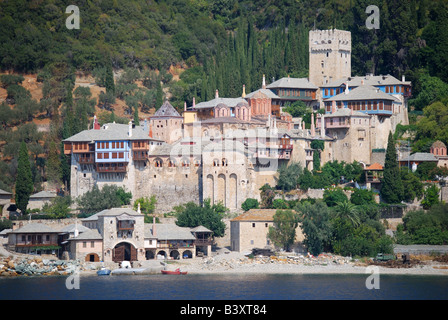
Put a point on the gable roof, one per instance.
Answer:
(256, 215)
(230, 102)
(371, 80)
(374, 166)
(113, 212)
(35, 228)
(260, 93)
(166, 110)
(91, 234)
(168, 231)
(43, 194)
(365, 92)
(110, 132)
(420, 156)
(287, 82)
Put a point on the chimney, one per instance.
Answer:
(194, 102)
(362, 82)
(96, 125)
(313, 129)
(130, 129)
(138, 208)
(322, 126)
(346, 88)
(185, 106)
(145, 125)
(216, 94)
(244, 91)
(263, 85)
(154, 226)
(403, 78)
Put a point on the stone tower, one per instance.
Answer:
(330, 55)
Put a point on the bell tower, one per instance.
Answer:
(329, 55)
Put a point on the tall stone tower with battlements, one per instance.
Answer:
(330, 55)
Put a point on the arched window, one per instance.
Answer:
(224, 162)
(215, 162)
(186, 163)
(171, 163)
(158, 163)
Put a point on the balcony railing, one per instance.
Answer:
(110, 168)
(86, 160)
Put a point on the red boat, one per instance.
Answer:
(177, 271)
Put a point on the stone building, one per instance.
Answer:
(329, 55)
(250, 230)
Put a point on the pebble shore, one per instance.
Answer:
(221, 263)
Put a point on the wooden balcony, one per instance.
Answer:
(140, 156)
(86, 160)
(111, 167)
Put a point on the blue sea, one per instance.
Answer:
(224, 287)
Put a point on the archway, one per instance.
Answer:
(187, 254)
(92, 257)
(161, 255)
(174, 254)
(149, 255)
(124, 251)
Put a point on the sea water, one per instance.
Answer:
(225, 287)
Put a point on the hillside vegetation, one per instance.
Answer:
(127, 56)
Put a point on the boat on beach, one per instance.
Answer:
(177, 271)
(103, 272)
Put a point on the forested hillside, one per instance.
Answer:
(140, 51)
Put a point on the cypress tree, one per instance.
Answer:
(54, 169)
(24, 181)
(109, 81)
(392, 190)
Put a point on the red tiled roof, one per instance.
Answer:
(375, 166)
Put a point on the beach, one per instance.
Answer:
(238, 263)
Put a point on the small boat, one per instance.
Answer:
(103, 272)
(177, 271)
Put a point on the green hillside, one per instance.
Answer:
(219, 44)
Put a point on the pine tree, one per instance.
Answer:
(24, 180)
(392, 190)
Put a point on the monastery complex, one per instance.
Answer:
(227, 148)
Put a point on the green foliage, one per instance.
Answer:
(362, 197)
(267, 195)
(432, 89)
(347, 210)
(414, 187)
(58, 208)
(283, 233)
(210, 216)
(333, 196)
(420, 227)
(279, 204)
(296, 109)
(288, 176)
(96, 200)
(24, 180)
(316, 227)
(392, 187)
(431, 196)
(147, 206)
(250, 203)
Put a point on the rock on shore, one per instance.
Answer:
(36, 266)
